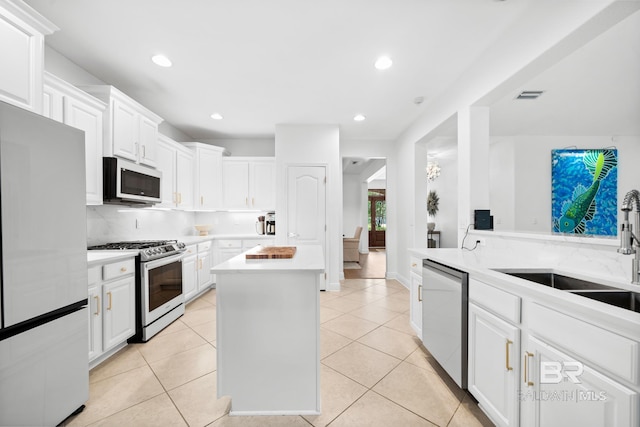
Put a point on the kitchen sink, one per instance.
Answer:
(620, 298)
(628, 300)
(553, 280)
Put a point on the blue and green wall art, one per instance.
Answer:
(584, 191)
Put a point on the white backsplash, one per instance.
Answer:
(113, 223)
(229, 222)
(591, 256)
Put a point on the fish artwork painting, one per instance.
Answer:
(584, 191)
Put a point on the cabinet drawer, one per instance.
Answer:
(416, 265)
(204, 246)
(118, 269)
(610, 351)
(230, 244)
(191, 250)
(500, 302)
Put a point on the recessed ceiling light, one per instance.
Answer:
(216, 116)
(359, 117)
(161, 61)
(383, 63)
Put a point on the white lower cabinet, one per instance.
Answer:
(205, 262)
(537, 363)
(569, 393)
(494, 349)
(196, 269)
(111, 307)
(190, 272)
(119, 318)
(95, 313)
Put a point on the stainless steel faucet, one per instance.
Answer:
(629, 243)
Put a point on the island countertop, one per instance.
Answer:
(307, 258)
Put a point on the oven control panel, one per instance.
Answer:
(162, 251)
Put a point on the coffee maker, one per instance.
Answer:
(270, 223)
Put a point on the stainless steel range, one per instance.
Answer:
(159, 296)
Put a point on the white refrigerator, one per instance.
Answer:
(44, 374)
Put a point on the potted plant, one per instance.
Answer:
(432, 207)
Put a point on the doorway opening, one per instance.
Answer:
(364, 206)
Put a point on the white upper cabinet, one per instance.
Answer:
(69, 105)
(131, 130)
(176, 163)
(208, 175)
(249, 183)
(22, 32)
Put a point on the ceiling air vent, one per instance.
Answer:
(530, 94)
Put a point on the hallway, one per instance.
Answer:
(372, 265)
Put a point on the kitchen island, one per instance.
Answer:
(268, 329)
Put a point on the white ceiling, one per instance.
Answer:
(261, 63)
(593, 91)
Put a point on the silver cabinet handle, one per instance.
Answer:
(293, 234)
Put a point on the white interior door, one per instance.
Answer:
(306, 208)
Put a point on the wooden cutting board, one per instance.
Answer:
(271, 252)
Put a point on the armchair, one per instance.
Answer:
(351, 245)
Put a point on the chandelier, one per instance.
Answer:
(433, 171)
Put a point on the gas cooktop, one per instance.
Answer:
(148, 249)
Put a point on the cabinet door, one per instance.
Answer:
(118, 302)
(235, 179)
(167, 165)
(204, 270)
(416, 303)
(89, 119)
(262, 185)
(95, 314)
(494, 349)
(190, 277)
(559, 391)
(125, 131)
(209, 179)
(147, 140)
(184, 179)
(22, 56)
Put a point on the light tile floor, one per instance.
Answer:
(374, 371)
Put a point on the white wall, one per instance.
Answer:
(521, 176)
(446, 185)
(511, 62)
(351, 204)
(378, 184)
(312, 145)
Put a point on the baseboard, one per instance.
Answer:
(333, 286)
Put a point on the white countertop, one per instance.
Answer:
(95, 257)
(307, 258)
(481, 262)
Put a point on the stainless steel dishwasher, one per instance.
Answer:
(445, 302)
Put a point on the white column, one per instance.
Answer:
(473, 164)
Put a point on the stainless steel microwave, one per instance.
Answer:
(129, 183)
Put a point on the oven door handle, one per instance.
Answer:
(163, 261)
